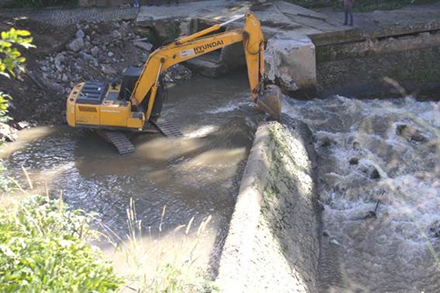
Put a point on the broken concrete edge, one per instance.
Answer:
(237, 259)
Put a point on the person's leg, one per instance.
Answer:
(346, 15)
(351, 17)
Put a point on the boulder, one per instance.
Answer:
(76, 45)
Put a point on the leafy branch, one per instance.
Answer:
(10, 57)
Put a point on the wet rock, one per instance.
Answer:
(371, 215)
(354, 161)
(326, 142)
(410, 133)
(356, 145)
(375, 174)
(7, 133)
(76, 45)
(434, 229)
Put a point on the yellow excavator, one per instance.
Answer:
(136, 103)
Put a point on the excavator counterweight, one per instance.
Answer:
(136, 103)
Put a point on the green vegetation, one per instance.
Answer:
(43, 248)
(11, 60)
(44, 245)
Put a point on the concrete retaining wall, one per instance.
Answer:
(273, 240)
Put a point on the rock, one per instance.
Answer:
(76, 45)
(110, 54)
(108, 69)
(94, 51)
(64, 78)
(59, 58)
(7, 133)
(80, 34)
(410, 133)
(354, 161)
(371, 215)
(22, 125)
(434, 229)
(177, 73)
(143, 45)
(375, 174)
(326, 142)
(117, 35)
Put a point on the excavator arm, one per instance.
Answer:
(129, 105)
(198, 44)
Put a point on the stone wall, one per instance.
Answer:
(273, 240)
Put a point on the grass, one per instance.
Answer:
(151, 264)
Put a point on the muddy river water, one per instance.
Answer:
(194, 176)
(379, 179)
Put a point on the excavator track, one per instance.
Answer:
(167, 128)
(119, 140)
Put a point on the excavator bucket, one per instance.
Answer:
(270, 102)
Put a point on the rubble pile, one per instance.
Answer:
(66, 56)
(97, 52)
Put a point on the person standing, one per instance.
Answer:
(348, 9)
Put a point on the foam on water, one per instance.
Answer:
(379, 181)
(229, 107)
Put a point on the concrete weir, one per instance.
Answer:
(273, 239)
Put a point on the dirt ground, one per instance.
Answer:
(52, 68)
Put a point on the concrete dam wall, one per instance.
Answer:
(273, 240)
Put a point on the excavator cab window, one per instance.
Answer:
(129, 79)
